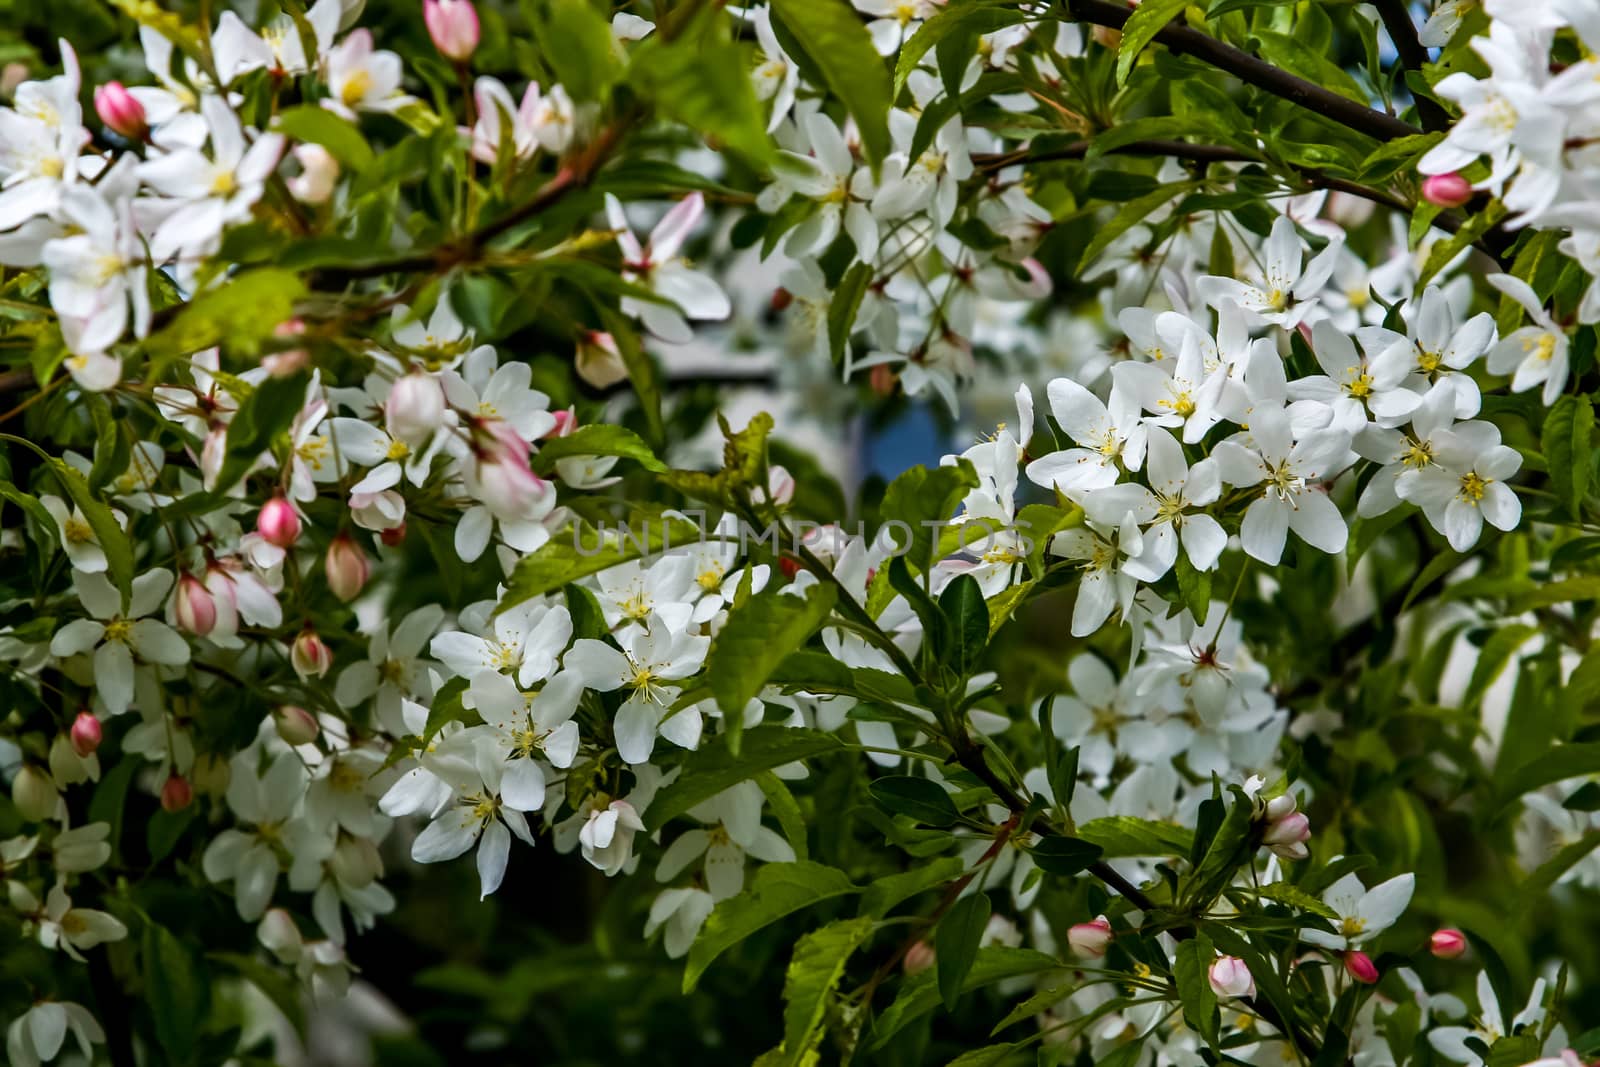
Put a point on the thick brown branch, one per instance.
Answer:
(1252, 71)
(1403, 32)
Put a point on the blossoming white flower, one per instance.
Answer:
(733, 820)
(1533, 355)
(264, 801)
(362, 78)
(1287, 469)
(117, 637)
(1464, 485)
(652, 657)
(36, 1036)
(478, 815)
(1286, 291)
(1104, 433)
(1363, 913)
(657, 266)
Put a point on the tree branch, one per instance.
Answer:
(1182, 40)
(1397, 20)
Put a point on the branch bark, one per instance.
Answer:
(1183, 40)
(1403, 32)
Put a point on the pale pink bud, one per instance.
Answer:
(598, 360)
(415, 408)
(1281, 806)
(1289, 830)
(295, 725)
(1448, 944)
(120, 111)
(176, 793)
(319, 173)
(1446, 190)
(193, 607)
(502, 479)
(278, 522)
(919, 957)
(34, 794)
(780, 485)
(453, 27)
(346, 568)
(1231, 978)
(85, 734)
(1091, 939)
(309, 656)
(566, 422)
(1359, 965)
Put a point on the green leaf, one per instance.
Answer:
(834, 38)
(1129, 215)
(704, 83)
(1194, 585)
(597, 439)
(968, 19)
(1147, 20)
(240, 313)
(922, 799)
(787, 810)
(1476, 225)
(176, 990)
(1121, 836)
(580, 550)
(1493, 657)
(778, 889)
(918, 500)
(956, 943)
(968, 619)
(988, 1056)
(919, 995)
(881, 896)
(576, 41)
(843, 306)
(107, 531)
(48, 532)
(1191, 970)
(1294, 897)
(447, 708)
(1064, 855)
(758, 636)
(1548, 872)
(711, 768)
(1566, 440)
(267, 412)
(1570, 760)
(319, 126)
(1227, 850)
(818, 963)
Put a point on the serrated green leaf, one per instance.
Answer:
(921, 799)
(1147, 20)
(1567, 443)
(1121, 836)
(835, 39)
(818, 963)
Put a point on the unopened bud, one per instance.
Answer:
(415, 408)
(780, 485)
(346, 568)
(309, 656)
(85, 734)
(1091, 939)
(34, 794)
(1359, 965)
(1448, 944)
(1230, 977)
(278, 522)
(1446, 190)
(883, 380)
(193, 606)
(566, 422)
(781, 298)
(452, 26)
(295, 725)
(176, 793)
(319, 173)
(121, 111)
(919, 957)
(598, 361)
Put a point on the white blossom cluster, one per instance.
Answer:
(1256, 396)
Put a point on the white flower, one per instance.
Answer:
(657, 266)
(1177, 488)
(529, 728)
(478, 815)
(40, 140)
(653, 656)
(733, 829)
(1105, 586)
(542, 121)
(681, 912)
(73, 929)
(278, 47)
(1351, 385)
(97, 269)
(361, 78)
(1177, 393)
(393, 670)
(527, 640)
(264, 801)
(1533, 354)
(1437, 349)
(1286, 292)
(607, 836)
(1451, 1041)
(1464, 485)
(1104, 433)
(1363, 913)
(1289, 500)
(36, 1036)
(116, 637)
(842, 190)
(78, 539)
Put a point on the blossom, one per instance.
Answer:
(657, 266)
(1533, 355)
(1287, 468)
(1286, 290)
(1363, 913)
(477, 815)
(652, 657)
(1105, 434)
(37, 1035)
(117, 637)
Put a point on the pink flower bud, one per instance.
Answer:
(176, 793)
(1231, 978)
(1089, 940)
(500, 475)
(1448, 944)
(309, 656)
(193, 607)
(598, 361)
(1359, 965)
(780, 485)
(566, 422)
(278, 522)
(295, 725)
(453, 27)
(1289, 830)
(346, 568)
(919, 957)
(1446, 190)
(85, 734)
(34, 794)
(415, 408)
(120, 111)
(1280, 807)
